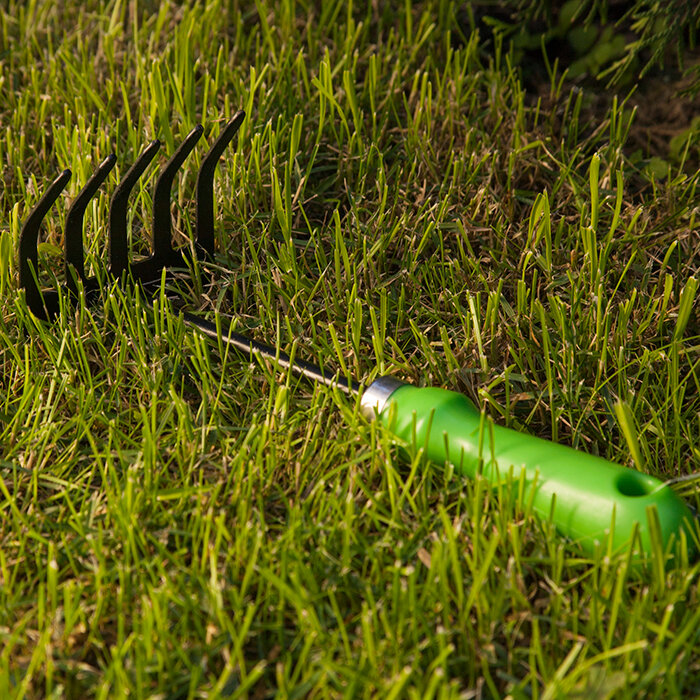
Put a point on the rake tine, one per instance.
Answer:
(73, 238)
(163, 251)
(205, 188)
(42, 306)
(118, 243)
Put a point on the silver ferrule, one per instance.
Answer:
(377, 394)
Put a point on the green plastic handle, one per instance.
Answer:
(579, 491)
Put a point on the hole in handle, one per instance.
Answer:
(633, 484)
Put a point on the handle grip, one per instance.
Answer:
(580, 491)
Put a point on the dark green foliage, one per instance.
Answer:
(616, 42)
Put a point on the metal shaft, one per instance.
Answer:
(248, 346)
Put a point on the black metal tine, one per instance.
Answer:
(163, 251)
(28, 255)
(118, 241)
(205, 188)
(73, 237)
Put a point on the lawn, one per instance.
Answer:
(406, 196)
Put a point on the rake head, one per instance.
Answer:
(45, 303)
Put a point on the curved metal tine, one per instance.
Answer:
(205, 188)
(163, 252)
(118, 242)
(73, 237)
(40, 305)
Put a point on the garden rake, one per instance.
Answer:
(589, 499)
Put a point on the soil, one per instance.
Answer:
(663, 111)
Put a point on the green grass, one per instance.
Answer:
(176, 521)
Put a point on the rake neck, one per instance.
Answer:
(279, 359)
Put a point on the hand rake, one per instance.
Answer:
(588, 498)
